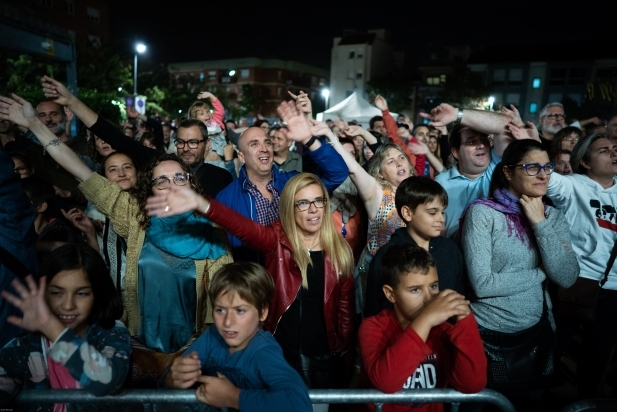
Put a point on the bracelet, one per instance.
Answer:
(310, 142)
(207, 208)
(332, 143)
(459, 117)
(55, 142)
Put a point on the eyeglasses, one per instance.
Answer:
(477, 140)
(533, 169)
(191, 143)
(554, 116)
(570, 138)
(163, 182)
(303, 205)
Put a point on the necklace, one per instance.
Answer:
(309, 249)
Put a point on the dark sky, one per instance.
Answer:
(183, 30)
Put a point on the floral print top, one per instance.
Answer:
(98, 362)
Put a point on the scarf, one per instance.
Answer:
(505, 202)
(185, 236)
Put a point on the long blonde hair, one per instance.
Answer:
(333, 244)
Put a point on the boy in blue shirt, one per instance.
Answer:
(236, 363)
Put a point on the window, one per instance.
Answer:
(93, 15)
(95, 41)
(533, 107)
(535, 84)
(359, 73)
(351, 75)
(515, 77)
(555, 97)
(442, 78)
(577, 76)
(499, 77)
(352, 54)
(244, 73)
(513, 98)
(201, 77)
(47, 3)
(360, 55)
(278, 91)
(70, 7)
(433, 81)
(558, 77)
(212, 75)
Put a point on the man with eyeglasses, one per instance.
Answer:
(552, 120)
(470, 145)
(193, 144)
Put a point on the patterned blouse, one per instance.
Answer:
(99, 362)
(385, 223)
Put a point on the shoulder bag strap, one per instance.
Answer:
(609, 264)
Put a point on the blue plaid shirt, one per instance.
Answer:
(267, 211)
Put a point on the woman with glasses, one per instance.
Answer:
(168, 260)
(566, 139)
(513, 243)
(312, 313)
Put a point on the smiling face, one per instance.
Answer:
(203, 115)
(562, 164)
(395, 167)
(411, 295)
(421, 133)
(309, 221)
(602, 163)
(520, 183)
(102, 147)
(167, 168)
(236, 320)
(473, 159)
(70, 298)
(255, 151)
(280, 143)
(119, 168)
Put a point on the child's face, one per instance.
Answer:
(236, 320)
(412, 293)
(203, 115)
(427, 221)
(70, 298)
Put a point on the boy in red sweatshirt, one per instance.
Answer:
(412, 345)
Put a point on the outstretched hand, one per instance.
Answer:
(206, 95)
(17, 110)
(381, 103)
(514, 114)
(419, 148)
(56, 91)
(31, 301)
(530, 131)
(174, 201)
(442, 115)
(321, 129)
(303, 103)
(80, 220)
(299, 128)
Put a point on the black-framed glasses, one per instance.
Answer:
(555, 116)
(570, 138)
(532, 169)
(163, 182)
(303, 205)
(477, 140)
(191, 143)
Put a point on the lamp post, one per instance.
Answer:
(139, 48)
(491, 100)
(326, 95)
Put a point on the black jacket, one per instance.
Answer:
(450, 268)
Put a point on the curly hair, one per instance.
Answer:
(143, 188)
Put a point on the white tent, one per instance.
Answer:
(352, 108)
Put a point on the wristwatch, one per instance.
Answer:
(310, 142)
(459, 117)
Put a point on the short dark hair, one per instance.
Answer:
(116, 153)
(513, 155)
(23, 158)
(249, 280)
(107, 307)
(39, 190)
(405, 125)
(188, 123)
(566, 131)
(399, 260)
(259, 122)
(374, 119)
(555, 156)
(455, 137)
(418, 190)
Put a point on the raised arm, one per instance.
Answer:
(22, 113)
(219, 110)
(481, 120)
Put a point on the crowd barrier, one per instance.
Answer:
(592, 405)
(173, 396)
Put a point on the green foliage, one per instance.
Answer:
(22, 75)
(396, 91)
(464, 88)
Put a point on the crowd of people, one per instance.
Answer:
(261, 261)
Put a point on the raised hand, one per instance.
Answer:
(299, 128)
(17, 110)
(80, 220)
(184, 371)
(174, 201)
(514, 114)
(353, 131)
(419, 148)
(218, 391)
(31, 301)
(533, 208)
(206, 95)
(303, 103)
(321, 129)
(442, 115)
(530, 131)
(381, 103)
(56, 91)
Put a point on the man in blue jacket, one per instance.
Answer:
(256, 193)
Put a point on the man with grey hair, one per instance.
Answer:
(552, 120)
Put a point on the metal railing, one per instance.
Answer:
(175, 396)
(592, 405)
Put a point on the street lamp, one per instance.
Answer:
(326, 95)
(139, 48)
(491, 100)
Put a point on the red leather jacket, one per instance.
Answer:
(339, 303)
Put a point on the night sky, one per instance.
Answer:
(177, 31)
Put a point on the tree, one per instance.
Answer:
(395, 90)
(464, 88)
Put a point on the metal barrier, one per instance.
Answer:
(592, 405)
(175, 396)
